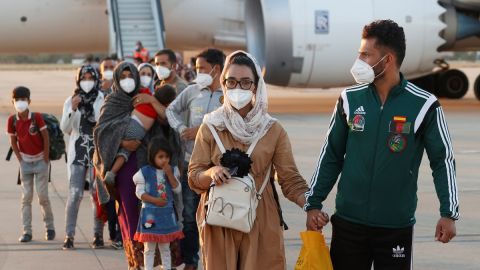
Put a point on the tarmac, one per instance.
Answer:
(305, 115)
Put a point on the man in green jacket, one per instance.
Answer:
(376, 138)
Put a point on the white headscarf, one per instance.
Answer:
(151, 86)
(244, 130)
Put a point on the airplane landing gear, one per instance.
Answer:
(449, 83)
(452, 83)
(476, 87)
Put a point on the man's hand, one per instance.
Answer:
(316, 219)
(46, 158)
(131, 145)
(445, 230)
(189, 134)
(75, 101)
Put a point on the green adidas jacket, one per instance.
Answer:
(378, 150)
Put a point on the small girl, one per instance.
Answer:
(155, 185)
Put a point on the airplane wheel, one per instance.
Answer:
(453, 84)
(476, 87)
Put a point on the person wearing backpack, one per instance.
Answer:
(220, 159)
(80, 114)
(30, 143)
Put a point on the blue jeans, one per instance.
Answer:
(190, 244)
(78, 176)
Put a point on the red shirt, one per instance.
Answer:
(143, 54)
(146, 109)
(29, 139)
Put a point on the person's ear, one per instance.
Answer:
(390, 60)
(217, 69)
(174, 66)
(29, 101)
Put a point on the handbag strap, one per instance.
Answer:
(264, 184)
(217, 139)
(254, 143)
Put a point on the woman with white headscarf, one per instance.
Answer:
(242, 118)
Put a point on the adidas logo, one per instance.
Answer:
(360, 110)
(398, 252)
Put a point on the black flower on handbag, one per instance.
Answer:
(237, 162)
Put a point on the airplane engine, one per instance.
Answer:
(308, 43)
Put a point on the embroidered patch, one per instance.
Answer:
(399, 127)
(32, 129)
(397, 143)
(220, 99)
(360, 110)
(149, 224)
(358, 123)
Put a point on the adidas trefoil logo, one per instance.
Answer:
(398, 252)
(360, 110)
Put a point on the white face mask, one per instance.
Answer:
(362, 72)
(162, 72)
(87, 86)
(108, 74)
(145, 80)
(21, 106)
(128, 85)
(203, 80)
(239, 98)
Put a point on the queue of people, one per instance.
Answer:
(160, 151)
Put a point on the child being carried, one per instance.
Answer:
(141, 120)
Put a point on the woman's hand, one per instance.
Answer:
(130, 145)
(143, 99)
(219, 174)
(75, 102)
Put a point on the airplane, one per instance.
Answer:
(300, 43)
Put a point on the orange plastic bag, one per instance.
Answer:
(314, 254)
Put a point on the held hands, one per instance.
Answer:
(445, 230)
(75, 101)
(316, 219)
(219, 175)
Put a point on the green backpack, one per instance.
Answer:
(55, 134)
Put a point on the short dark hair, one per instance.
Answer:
(155, 145)
(109, 58)
(165, 94)
(20, 92)
(171, 55)
(387, 34)
(243, 60)
(213, 57)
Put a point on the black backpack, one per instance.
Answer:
(55, 134)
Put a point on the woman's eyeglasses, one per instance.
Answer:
(231, 83)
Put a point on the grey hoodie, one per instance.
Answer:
(194, 102)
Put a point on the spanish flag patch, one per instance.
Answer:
(401, 119)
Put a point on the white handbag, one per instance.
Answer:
(234, 204)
